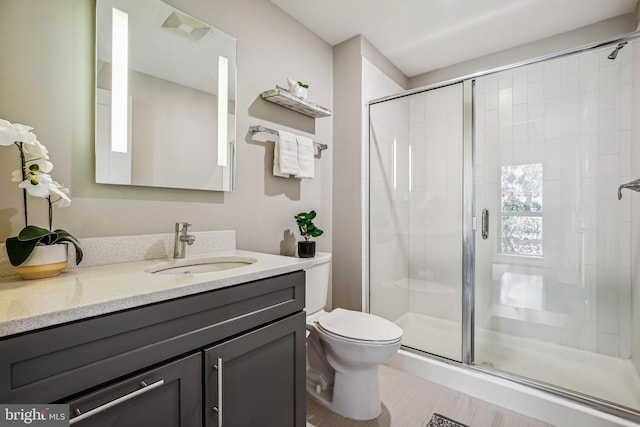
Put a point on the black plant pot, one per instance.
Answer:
(306, 249)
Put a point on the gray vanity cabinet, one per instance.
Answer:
(256, 330)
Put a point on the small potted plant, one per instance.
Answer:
(36, 252)
(307, 248)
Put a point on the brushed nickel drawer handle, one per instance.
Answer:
(145, 388)
(218, 409)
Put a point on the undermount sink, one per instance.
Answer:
(201, 265)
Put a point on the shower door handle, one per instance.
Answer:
(485, 224)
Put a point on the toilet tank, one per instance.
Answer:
(317, 283)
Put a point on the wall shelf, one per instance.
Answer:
(287, 99)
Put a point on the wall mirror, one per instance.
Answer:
(165, 98)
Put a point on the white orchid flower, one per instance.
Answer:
(8, 134)
(57, 188)
(37, 150)
(39, 165)
(16, 132)
(24, 134)
(37, 184)
(32, 169)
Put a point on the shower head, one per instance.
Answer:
(614, 54)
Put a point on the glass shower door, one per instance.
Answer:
(553, 294)
(415, 215)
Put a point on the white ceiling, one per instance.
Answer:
(424, 35)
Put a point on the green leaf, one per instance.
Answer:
(31, 232)
(64, 236)
(19, 250)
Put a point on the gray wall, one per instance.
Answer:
(47, 79)
(347, 191)
(350, 174)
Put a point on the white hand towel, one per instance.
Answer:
(285, 155)
(276, 160)
(305, 157)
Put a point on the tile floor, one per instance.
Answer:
(409, 401)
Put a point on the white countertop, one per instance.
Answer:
(26, 305)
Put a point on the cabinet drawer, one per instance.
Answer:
(51, 364)
(171, 396)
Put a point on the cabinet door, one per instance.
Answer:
(258, 379)
(170, 396)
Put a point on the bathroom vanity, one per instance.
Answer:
(216, 349)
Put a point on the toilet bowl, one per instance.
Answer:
(344, 349)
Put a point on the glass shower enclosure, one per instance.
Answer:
(502, 227)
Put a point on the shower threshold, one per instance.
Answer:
(595, 375)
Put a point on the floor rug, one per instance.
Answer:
(438, 420)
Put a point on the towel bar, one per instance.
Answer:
(253, 129)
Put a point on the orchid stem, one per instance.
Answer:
(50, 213)
(24, 176)
(24, 200)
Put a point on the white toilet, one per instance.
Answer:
(344, 349)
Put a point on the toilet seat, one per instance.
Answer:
(357, 326)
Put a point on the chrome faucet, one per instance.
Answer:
(633, 185)
(182, 239)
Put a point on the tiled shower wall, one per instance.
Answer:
(573, 115)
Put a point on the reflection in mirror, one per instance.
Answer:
(165, 98)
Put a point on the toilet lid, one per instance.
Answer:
(359, 326)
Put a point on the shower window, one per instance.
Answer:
(521, 210)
